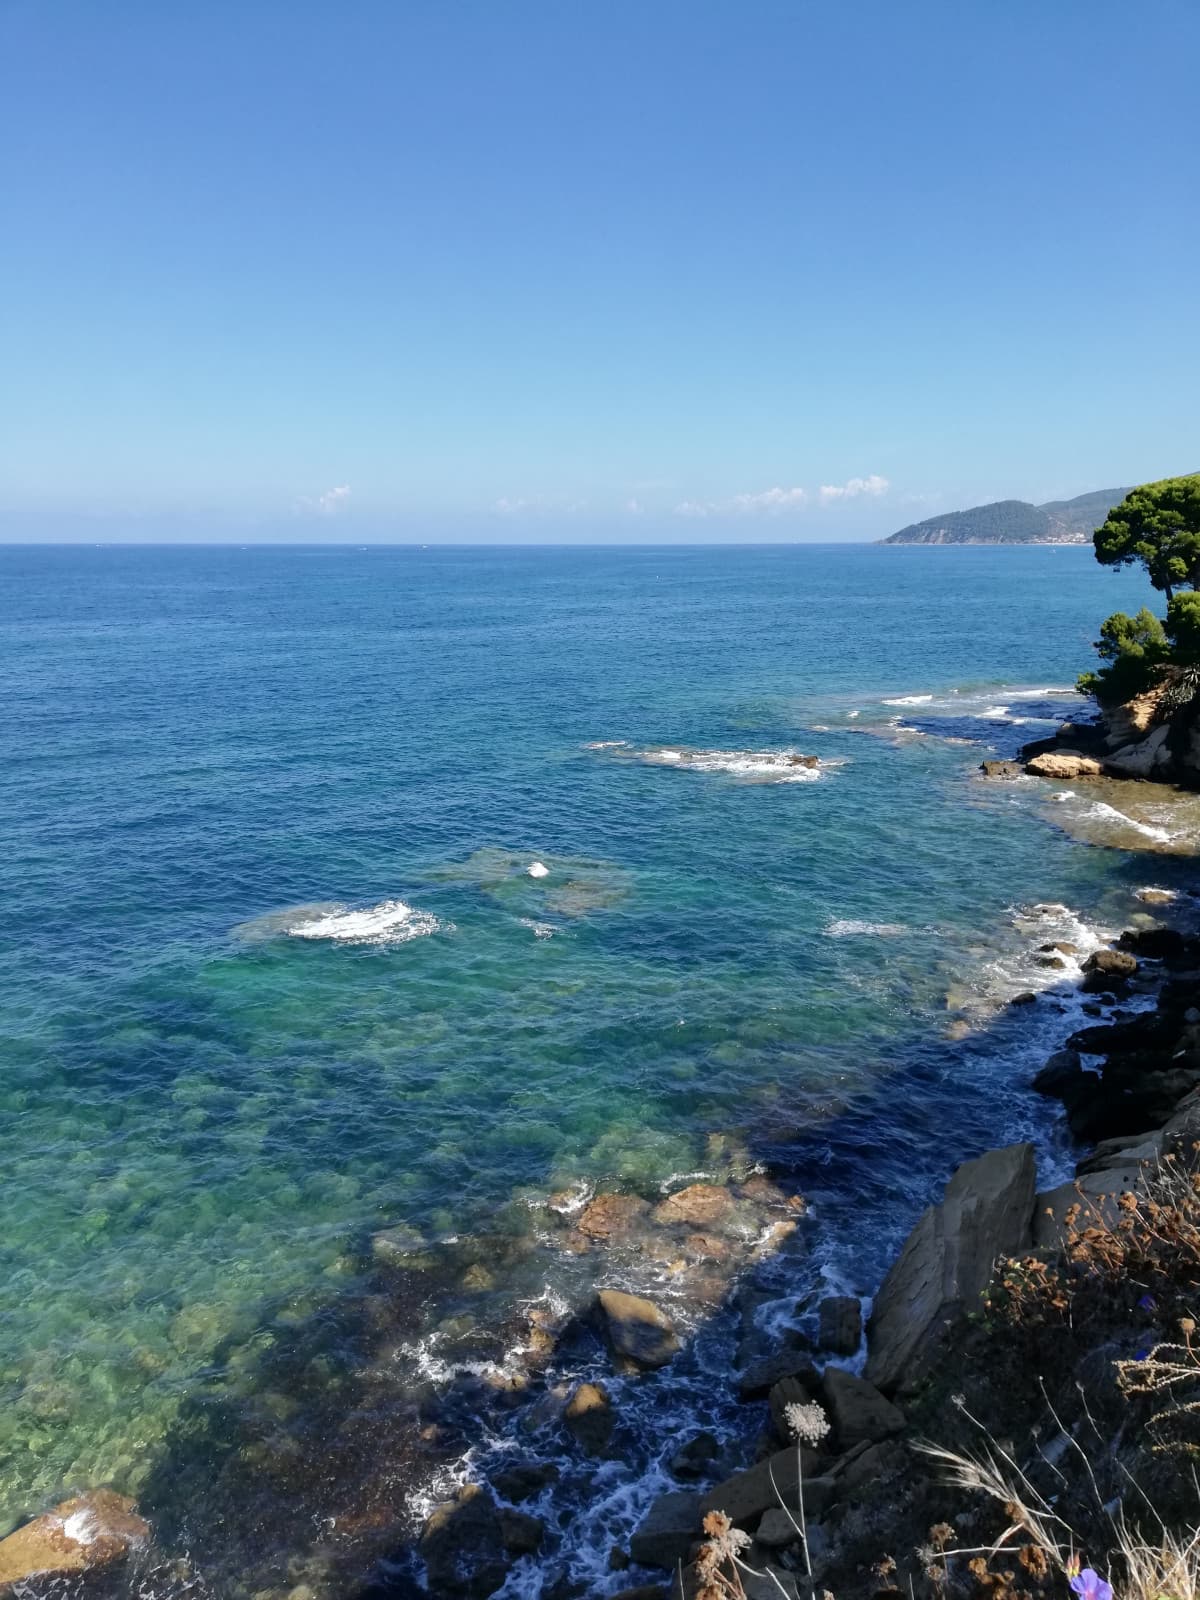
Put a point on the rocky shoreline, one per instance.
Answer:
(1129, 1085)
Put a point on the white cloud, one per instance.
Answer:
(511, 508)
(329, 503)
(768, 502)
(634, 508)
(536, 505)
(852, 488)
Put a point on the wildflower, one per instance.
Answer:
(808, 1422)
(725, 1543)
(1148, 1303)
(1089, 1585)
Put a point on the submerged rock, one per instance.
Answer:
(701, 1205)
(611, 1216)
(93, 1530)
(637, 1330)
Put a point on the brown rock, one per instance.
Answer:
(707, 1247)
(1002, 769)
(762, 1192)
(92, 1530)
(1112, 963)
(700, 1205)
(590, 1417)
(611, 1216)
(637, 1330)
(859, 1413)
(840, 1324)
(947, 1260)
(1064, 764)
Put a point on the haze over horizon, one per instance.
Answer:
(541, 274)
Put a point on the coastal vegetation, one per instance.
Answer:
(1156, 526)
(1015, 522)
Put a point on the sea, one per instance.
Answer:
(368, 911)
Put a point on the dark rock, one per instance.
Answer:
(668, 1530)
(859, 1413)
(748, 1494)
(1158, 944)
(696, 1456)
(1111, 963)
(93, 1530)
(1062, 1071)
(1002, 769)
(462, 1546)
(777, 1529)
(590, 1417)
(758, 1381)
(521, 1533)
(947, 1260)
(840, 1324)
(1026, 998)
(788, 1392)
(524, 1480)
(638, 1331)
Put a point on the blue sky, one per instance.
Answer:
(562, 271)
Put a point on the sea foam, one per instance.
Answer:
(389, 922)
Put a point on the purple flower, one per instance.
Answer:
(1148, 1303)
(1089, 1585)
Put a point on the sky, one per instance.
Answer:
(627, 270)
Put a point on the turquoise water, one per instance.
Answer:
(211, 1098)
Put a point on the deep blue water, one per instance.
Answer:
(205, 1111)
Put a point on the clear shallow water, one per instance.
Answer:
(211, 1098)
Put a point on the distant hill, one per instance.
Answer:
(1016, 522)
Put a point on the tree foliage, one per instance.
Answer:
(1135, 648)
(1157, 524)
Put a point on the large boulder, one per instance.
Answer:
(1002, 769)
(859, 1413)
(839, 1321)
(611, 1216)
(700, 1205)
(748, 1494)
(93, 1530)
(760, 1378)
(463, 1547)
(1064, 764)
(640, 1334)
(948, 1258)
(668, 1530)
(590, 1417)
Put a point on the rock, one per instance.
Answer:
(696, 1456)
(637, 1330)
(1002, 769)
(590, 1417)
(859, 1413)
(864, 1467)
(1063, 1070)
(522, 1534)
(401, 1247)
(611, 1216)
(1096, 1194)
(668, 1530)
(1120, 1151)
(840, 1324)
(93, 1530)
(947, 1260)
(1111, 963)
(700, 1205)
(748, 1494)
(1143, 758)
(804, 761)
(788, 1392)
(1025, 998)
(1064, 764)
(1155, 897)
(462, 1546)
(524, 1480)
(776, 1530)
(1158, 944)
(758, 1380)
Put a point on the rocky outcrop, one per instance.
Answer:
(590, 1417)
(1064, 764)
(94, 1530)
(857, 1410)
(839, 1324)
(1002, 769)
(463, 1546)
(947, 1262)
(668, 1530)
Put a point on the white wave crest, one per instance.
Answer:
(389, 922)
(536, 869)
(909, 700)
(775, 766)
(849, 927)
(1146, 829)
